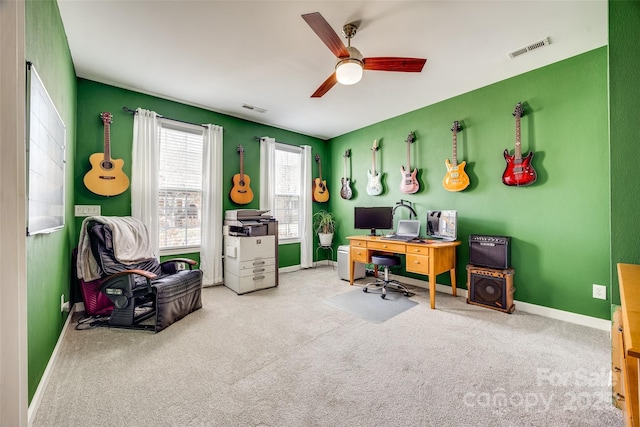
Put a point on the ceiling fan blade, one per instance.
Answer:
(324, 87)
(322, 28)
(407, 65)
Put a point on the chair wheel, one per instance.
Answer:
(364, 290)
(406, 294)
(383, 296)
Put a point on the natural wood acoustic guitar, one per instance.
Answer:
(409, 184)
(241, 192)
(519, 171)
(320, 190)
(106, 177)
(456, 178)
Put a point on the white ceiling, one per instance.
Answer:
(220, 55)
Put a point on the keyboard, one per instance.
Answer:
(398, 238)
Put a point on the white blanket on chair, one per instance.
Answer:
(130, 244)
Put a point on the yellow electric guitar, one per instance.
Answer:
(241, 193)
(106, 177)
(456, 178)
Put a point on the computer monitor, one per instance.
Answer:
(442, 225)
(373, 218)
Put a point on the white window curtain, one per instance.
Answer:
(144, 172)
(144, 189)
(306, 238)
(211, 246)
(267, 193)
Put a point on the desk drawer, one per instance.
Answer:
(359, 243)
(359, 255)
(417, 264)
(387, 247)
(417, 250)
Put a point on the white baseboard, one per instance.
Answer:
(566, 316)
(37, 396)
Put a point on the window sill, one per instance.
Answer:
(180, 251)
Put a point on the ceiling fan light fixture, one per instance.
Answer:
(349, 71)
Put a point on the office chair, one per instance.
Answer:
(384, 284)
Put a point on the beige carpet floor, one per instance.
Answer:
(285, 357)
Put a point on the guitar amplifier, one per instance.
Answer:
(491, 288)
(490, 251)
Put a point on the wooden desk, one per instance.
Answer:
(429, 259)
(629, 279)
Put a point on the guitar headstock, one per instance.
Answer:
(374, 147)
(347, 154)
(106, 118)
(240, 149)
(456, 127)
(318, 158)
(411, 137)
(517, 112)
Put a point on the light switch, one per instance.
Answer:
(87, 210)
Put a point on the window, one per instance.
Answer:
(287, 186)
(180, 186)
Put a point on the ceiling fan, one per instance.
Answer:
(351, 63)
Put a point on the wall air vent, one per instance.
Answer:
(252, 108)
(532, 46)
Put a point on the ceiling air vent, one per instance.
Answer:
(532, 46)
(252, 108)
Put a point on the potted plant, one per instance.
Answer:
(325, 224)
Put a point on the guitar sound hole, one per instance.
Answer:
(107, 166)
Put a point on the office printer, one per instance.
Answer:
(249, 222)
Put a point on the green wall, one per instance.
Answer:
(49, 255)
(559, 225)
(624, 99)
(94, 98)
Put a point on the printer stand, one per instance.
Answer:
(250, 263)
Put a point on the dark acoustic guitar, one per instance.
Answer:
(519, 171)
(241, 193)
(106, 177)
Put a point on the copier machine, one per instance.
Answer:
(250, 250)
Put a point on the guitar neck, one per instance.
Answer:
(408, 155)
(319, 170)
(107, 142)
(518, 152)
(454, 156)
(373, 161)
(241, 165)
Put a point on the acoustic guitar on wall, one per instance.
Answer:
(320, 190)
(345, 191)
(106, 177)
(519, 171)
(374, 179)
(241, 193)
(456, 179)
(409, 183)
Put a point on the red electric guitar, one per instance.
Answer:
(409, 183)
(519, 171)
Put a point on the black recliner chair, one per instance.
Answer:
(137, 292)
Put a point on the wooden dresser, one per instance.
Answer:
(626, 344)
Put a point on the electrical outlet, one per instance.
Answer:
(87, 210)
(599, 291)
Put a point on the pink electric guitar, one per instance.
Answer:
(409, 183)
(519, 171)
